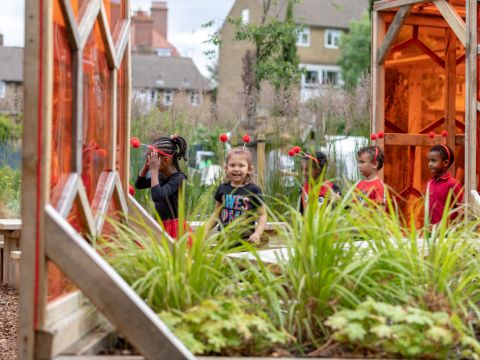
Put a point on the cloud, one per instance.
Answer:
(12, 22)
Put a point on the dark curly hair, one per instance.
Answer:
(173, 145)
(375, 154)
(321, 159)
(442, 150)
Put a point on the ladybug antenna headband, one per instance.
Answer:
(444, 134)
(135, 142)
(297, 150)
(225, 138)
(374, 137)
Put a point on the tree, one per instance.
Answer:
(355, 47)
(274, 58)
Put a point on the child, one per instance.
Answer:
(442, 184)
(370, 162)
(312, 168)
(239, 196)
(165, 178)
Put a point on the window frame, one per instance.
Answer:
(301, 32)
(245, 14)
(167, 93)
(335, 33)
(3, 89)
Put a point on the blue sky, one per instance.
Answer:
(184, 28)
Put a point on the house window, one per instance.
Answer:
(303, 37)
(164, 52)
(330, 77)
(195, 98)
(332, 39)
(245, 16)
(168, 97)
(3, 90)
(311, 79)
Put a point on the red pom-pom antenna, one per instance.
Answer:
(381, 134)
(135, 142)
(431, 135)
(373, 137)
(291, 152)
(444, 133)
(296, 149)
(223, 138)
(102, 152)
(131, 190)
(247, 138)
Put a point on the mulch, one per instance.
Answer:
(8, 323)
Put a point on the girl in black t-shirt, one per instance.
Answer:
(166, 178)
(239, 196)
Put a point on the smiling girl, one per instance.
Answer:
(238, 196)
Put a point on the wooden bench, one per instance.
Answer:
(10, 251)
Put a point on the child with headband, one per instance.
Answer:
(313, 170)
(370, 162)
(161, 174)
(442, 185)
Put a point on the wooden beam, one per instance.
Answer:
(122, 42)
(86, 210)
(418, 20)
(77, 113)
(71, 24)
(107, 37)
(110, 294)
(37, 90)
(392, 4)
(450, 88)
(127, 116)
(119, 196)
(377, 113)
(88, 21)
(392, 32)
(453, 19)
(69, 193)
(472, 106)
(418, 139)
(112, 154)
(103, 196)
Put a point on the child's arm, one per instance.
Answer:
(261, 224)
(212, 221)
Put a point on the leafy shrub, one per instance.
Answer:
(222, 326)
(9, 192)
(403, 330)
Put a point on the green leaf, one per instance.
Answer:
(355, 332)
(382, 331)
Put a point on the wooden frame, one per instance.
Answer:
(46, 231)
(398, 13)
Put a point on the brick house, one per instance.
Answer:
(11, 79)
(161, 78)
(317, 46)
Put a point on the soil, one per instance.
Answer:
(8, 323)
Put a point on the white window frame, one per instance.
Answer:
(163, 52)
(195, 98)
(3, 89)
(245, 16)
(335, 35)
(166, 94)
(305, 31)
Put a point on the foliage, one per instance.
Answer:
(403, 330)
(355, 48)
(10, 181)
(9, 129)
(223, 326)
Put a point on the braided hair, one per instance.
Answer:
(320, 162)
(173, 145)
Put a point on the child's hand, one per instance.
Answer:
(153, 161)
(254, 239)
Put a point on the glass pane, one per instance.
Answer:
(96, 112)
(62, 119)
(121, 118)
(115, 13)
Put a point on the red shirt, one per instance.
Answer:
(438, 189)
(372, 189)
(326, 186)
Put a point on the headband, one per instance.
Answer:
(447, 150)
(376, 154)
(151, 147)
(313, 158)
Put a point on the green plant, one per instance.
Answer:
(403, 330)
(10, 180)
(224, 326)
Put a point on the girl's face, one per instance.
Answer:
(310, 170)
(237, 168)
(436, 164)
(366, 165)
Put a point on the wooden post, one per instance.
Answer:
(377, 112)
(415, 120)
(261, 160)
(450, 88)
(471, 104)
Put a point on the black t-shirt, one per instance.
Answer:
(237, 201)
(165, 194)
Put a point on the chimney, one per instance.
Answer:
(1, 40)
(159, 12)
(143, 31)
